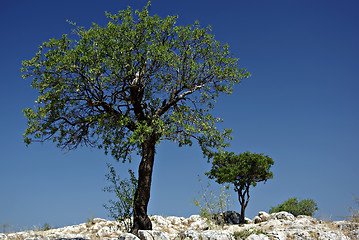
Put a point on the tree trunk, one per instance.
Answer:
(243, 208)
(242, 194)
(141, 220)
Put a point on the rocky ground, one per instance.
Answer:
(278, 226)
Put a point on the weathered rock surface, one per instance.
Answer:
(228, 217)
(152, 234)
(276, 226)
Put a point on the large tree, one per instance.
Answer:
(127, 86)
(242, 170)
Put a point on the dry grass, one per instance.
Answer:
(354, 213)
(247, 232)
(290, 236)
(314, 235)
(335, 227)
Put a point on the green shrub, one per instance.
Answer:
(304, 207)
(121, 209)
(45, 227)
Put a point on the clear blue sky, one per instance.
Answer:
(300, 107)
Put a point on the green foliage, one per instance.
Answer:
(211, 204)
(45, 227)
(303, 207)
(122, 208)
(243, 170)
(127, 86)
(112, 86)
(247, 232)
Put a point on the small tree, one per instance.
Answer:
(243, 170)
(304, 207)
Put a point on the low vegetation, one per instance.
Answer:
(246, 233)
(354, 213)
(211, 204)
(295, 207)
(121, 209)
(45, 227)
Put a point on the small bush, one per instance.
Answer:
(211, 204)
(45, 227)
(121, 209)
(354, 213)
(304, 207)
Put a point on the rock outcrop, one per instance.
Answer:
(276, 226)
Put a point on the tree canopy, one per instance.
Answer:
(126, 86)
(125, 79)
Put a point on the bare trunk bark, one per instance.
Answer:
(243, 209)
(141, 220)
(242, 194)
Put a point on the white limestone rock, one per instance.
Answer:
(195, 218)
(335, 235)
(354, 234)
(258, 237)
(200, 225)
(278, 226)
(306, 220)
(104, 232)
(128, 236)
(217, 235)
(256, 220)
(346, 225)
(159, 220)
(282, 215)
(205, 235)
(153, 235)
(194, 222)
(175, 220)
(189, 234)
(248, 221)
(234, 228)
(263, 216)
